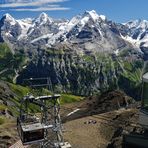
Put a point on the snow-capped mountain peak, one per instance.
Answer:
(138, 32)
(141, 24)
(93, 14)
(43, 18)
(7, 17)
(82, 20)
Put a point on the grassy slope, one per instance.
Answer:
(10, 63)
(21, 91)
(68, 98)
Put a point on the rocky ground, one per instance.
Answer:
(8, 133)
(103, 130)
(102, 121)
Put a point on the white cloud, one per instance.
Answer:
(23, 3)
(41, 9)
(16, 1)
(36, 5)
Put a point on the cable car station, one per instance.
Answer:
(35, 129)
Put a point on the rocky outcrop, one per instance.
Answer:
(81, 74)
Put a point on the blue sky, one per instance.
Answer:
(116, 10)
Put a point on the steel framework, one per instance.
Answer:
(49, 116)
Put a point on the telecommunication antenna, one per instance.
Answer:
(46, 129)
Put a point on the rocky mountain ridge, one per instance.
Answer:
(86, 32)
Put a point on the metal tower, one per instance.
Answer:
(47, 128)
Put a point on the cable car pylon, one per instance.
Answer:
(44, 127)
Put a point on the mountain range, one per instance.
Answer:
(87, 54)
(85, 33)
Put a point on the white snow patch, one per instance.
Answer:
(100, 32)
(145, 45)
(116, 52)
(25, 25)
(73, 112)
(84, 21)
(42, 37)
(8, 34)
(24, 66)
(131, 40)
(93, 14)
(73, 22)
(63, 26)
(103, 17)
(31, 30)
(54, 38)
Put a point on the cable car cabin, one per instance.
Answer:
(143, 116)
(30, 132)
